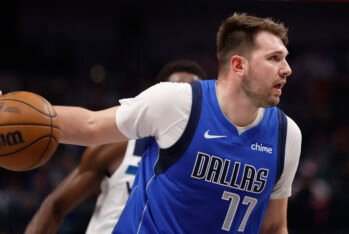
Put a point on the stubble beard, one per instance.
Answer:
(259, 96)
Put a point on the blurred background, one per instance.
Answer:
(92, 54)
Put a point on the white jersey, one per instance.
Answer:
(115, 191)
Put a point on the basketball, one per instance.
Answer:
(29, 131)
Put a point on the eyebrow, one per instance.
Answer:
(279, 52)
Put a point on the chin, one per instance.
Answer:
(275, 101)
(271, 102)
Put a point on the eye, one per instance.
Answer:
(275, 58)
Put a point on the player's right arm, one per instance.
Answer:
(80, 126)
(75, 188)
(162, 108)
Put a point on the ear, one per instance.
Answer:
(237, 64)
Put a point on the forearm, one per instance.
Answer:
(80, 126)
(46, 220)
(75, 123)
(71, 192)
(275, 218)
(275, 230)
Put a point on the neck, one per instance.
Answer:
(234, 103)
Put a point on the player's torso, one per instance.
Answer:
(220, 183)
(116, 189)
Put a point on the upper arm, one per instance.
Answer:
(104, 158)
(282, 189)
(105, 128)
(161, 111)
(275, 218)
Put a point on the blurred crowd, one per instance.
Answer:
(95, 73)
(317, 100)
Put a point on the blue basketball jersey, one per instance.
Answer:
(212, 180)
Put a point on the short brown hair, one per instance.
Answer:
(236, 35)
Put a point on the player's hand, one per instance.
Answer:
(0, 93)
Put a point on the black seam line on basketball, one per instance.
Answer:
(30, 124)
(48, 110)
(15, 100)
(4, 155)
(41, 156)
(48, 103)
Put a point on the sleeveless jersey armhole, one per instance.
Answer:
(169, 156)
(281, 143)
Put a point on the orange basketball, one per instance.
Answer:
(29, 131)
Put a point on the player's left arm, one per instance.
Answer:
(275, 219)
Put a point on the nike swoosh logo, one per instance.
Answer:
(210, 136)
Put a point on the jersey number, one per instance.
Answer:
(233, 206)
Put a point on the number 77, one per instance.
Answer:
(233, 206)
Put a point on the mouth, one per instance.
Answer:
(278, 86)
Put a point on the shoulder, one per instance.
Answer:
(144, 114)
(166, 92)
(292, 155)
(161, 111)
(166, 87)
(162, 98)
(293, 131)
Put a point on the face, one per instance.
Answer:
(267, 70)
(182, 77)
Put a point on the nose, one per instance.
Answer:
(285, 70)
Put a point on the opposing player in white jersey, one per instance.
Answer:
(112, 167)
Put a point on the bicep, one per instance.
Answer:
(106, 130)
(275, 218)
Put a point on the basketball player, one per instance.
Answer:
(111, 166)
(222, 156)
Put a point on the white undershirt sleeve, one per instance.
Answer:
(283, 187)
(161, 111)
